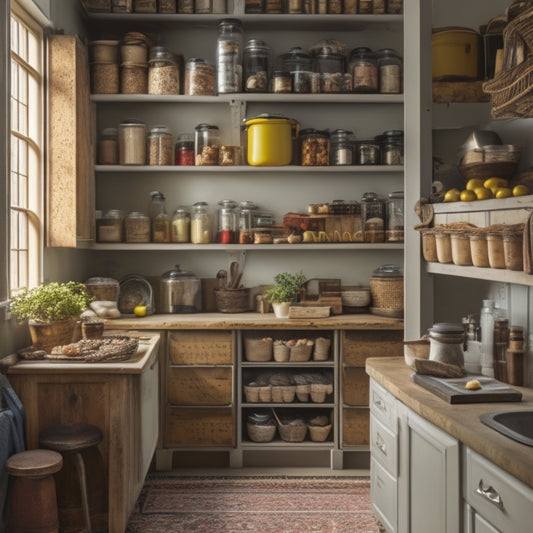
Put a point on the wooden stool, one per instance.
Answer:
(32, 504)
(78, 445)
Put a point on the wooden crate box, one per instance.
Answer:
(199, 386)
(210, 347)
(355, 426)
(355, 385)
(357, 346)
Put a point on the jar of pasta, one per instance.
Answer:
(206, 144)
(314, 148)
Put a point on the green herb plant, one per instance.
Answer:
(51, 301)
(287, 287)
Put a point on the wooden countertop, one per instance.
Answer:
(253, 321)
(460, 421)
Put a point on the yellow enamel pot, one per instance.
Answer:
(455, 54)
(270, 140)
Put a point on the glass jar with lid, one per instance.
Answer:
(389, 71)
(395, 217)
(137, 227)
(201, 224)
(227, 222)
(132, 142)
(108, 147)
(247, 212)
(256, 66)
(273, 7)
(163, 72)
(109, 226)
(206, 144)
(314, 147)
(368, 153)
(330, 66)
(159, 218)
(392, 147)
(298, 62)
(181, 225)
(160, 146)
(341, 148)
(280, 82)
(184, 149)
(229, 56)
(199, 77)
(364, 68)
(373, 217)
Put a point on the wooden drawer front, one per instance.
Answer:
(514, 514)
(384, 495)
(355, 425)
(384, 446)
(199, 426)
(199, 386)
(383, 406)
(355, 385)
(200, 347)
(357, 346)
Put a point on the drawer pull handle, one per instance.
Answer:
(380, 404)
(380, 444)
(490, 494)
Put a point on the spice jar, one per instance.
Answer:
(201, 224)
(159, 218)
(373, 217)
(364, 68)
(163, 72)
(341, 148)
(137, 227)
(395, 216)
(247, 211)
(160, 149)
(132, 142)
(368, 153)
(229, 155)
(109, 226)
(206, 144)
(392, 147)
(199, 78)
(389, 71)
(181, 226)
(280, 82)
(227, 222)
(314, 148)
(256, 64)
(495, 249)
(184, 149)
(229, 56)
(512, 249)
(108, 147)
(479, 248)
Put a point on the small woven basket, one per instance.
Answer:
(281, 352)
(321, 351)
(232, 300)
(301, 353)
(318, 392)
(258, 350)
(265, 393)
(293, 432)
(260, 433)
(302, 392)
(251, 393)
(283, 393)
(319, 433)
(387, 293)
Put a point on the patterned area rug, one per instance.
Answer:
(260, 504)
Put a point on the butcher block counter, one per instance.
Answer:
(459, 421)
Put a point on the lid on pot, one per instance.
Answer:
(267, 118)
(178, 274)
(447, 328)
(101, 281)
(387, 271)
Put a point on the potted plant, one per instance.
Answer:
(285, 291)
(52, 310)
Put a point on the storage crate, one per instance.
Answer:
(355, 426)
(200, 347)
(355, 385)
(200, 385)
(357, 346)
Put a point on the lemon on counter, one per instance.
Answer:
(468, 196)
(482, 193)
(520, 190)
(473, 184)
(473, 384)
(495, 182)
(453, 195)
(503, 192)
(139, 310)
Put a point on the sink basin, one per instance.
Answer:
(517, 425)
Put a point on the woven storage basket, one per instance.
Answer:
(260, 433)
(251, 393)
(319, 433)
(232, 300)
(321, 351)
(301, 353)
(281, 352)
(283, 393)
(387, 293)
(293, 432)
(302, 392)
(258, 350)
(483, 171)
(265, 393)
(318, 392)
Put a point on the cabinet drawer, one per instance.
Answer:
(200, 347)
(384, 494)
(199, 426)
(355, 382)
(383, 406)
(384, 446)
(357, 346)
(355, 425)
(487, 484)
(200, 386)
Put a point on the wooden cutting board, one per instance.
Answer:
(453, 390)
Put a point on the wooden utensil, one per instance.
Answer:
(222, 277)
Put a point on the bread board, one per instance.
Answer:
(297, 311)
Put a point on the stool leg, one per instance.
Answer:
(80, 465)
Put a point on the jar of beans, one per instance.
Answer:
(160, 146)
(184, 150)
(199, 78)
(163, 72)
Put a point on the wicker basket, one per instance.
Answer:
(251, 393)
(321, 351)
(319, 391)
(302, 392)
(232, 300)
(260, 433)
(265, 393)
(483, 171)
(387, 293)
(281, 352)
(319, 433)
(283, 393)
(301, 353)
(258, 350)
(295, 432)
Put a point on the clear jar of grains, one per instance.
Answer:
(160, 146)
(163, 72)
(206, 144)
(199, 78)
(109, 226)
(108, 147)
(132, 142)
(137, 227)
(181, 226)
(364, 68)
(201, 224)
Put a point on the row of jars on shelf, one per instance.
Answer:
(321, 7)
(131, 144)
(374, 219)
(135, 66)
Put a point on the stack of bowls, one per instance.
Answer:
(134, 51)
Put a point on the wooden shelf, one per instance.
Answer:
(490, 274)
(517, 202)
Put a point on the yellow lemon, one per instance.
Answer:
(482, 193)
(452, 195)
(473, 384)
(139, 310)
(492, 183)
(520, 190)
(473, 184)
(503, 192)
(468, 196)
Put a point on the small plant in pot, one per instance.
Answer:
(52, 311)
(285, 291)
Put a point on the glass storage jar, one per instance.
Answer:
(341, 150)
(512, 249)
(280, 82)
(379, 7)
(395, 7)
(273, 7)
(331, 69)
(184, 150)
(205, 7)
(159, 218)
(392, 147)
(121, 6)
(137, 227)
(206, 144)
(132, 142)
(395, 217)
(334, 7)
(389, 71)
(364, 68)
(229, 56)
(227, 222)
(368, 153)
(201, 224)
(229, 155)
(247, 211)
(479, 248)
(160, 149)
(429, 245)
(294, 7)
(163, 72)
(350, 7)
(366, 7)
(199, 78)
(444, 246)
(181, 226)
(314, 148)
(298, 62)
(254, 7)
(495, 248)
(256, 66)
(109, 226)
(461, 251)
(373, 217)
(108, 147)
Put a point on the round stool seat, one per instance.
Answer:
(70, 437)
(34, 463)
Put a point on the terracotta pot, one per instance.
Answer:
(46, 335)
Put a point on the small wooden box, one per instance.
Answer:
(358, 345)
(355, 386)
(208, 427)
(355, 426)
(200, 385)
(211, 347)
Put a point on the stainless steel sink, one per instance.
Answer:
(517, 425)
